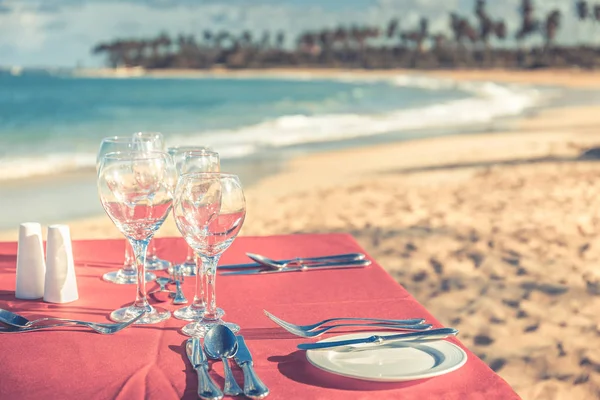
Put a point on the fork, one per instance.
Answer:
(299, 330)
(106, 329)
(178, 278)
(308, 328)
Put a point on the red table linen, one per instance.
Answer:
(149, 362)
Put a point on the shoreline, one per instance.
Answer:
(568, 78)
(544, 133)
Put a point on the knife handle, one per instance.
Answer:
(253, 386)
(207, 389)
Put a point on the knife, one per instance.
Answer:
(308, 260)
(207, 389)
(253, 386)
(433, 334)
(316, 267)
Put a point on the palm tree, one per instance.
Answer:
(582, 9)
(529, 24)
(486, 26)
(500, 30)
(551, 27)
(418, 36)
(265, 40)
(246, 38)
(392, 29)
(280, 40)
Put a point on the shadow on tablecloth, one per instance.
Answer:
(296, 367)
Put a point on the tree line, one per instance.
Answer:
(474, 43)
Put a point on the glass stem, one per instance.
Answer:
(199, 301)
(129, 264)
(209, 266)
(139, 249)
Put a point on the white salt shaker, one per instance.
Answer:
(31, 268)
(61, 283)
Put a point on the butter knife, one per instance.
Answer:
(434, 334)
(253, 386)
(317, 267)
(296, 261)
(207, 389)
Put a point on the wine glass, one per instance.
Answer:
(209, 210)
(153, 263)
(156, 138)
(126, 275)
(136, 191)
(191, 161)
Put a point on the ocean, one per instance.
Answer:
(51, 124)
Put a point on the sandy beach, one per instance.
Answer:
(497, 234)
(574, 78)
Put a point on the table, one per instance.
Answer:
(149, 361)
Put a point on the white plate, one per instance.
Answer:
(391, 362)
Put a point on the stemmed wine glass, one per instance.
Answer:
(153, 263)
(209, 210)
(193, 159)
(191, 162)
(136, 191)
(126, 275)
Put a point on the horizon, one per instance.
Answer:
(62, 33)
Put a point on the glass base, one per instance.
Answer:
(190, 313)
(123, 278)
(200, 328)
(155, 316)
(156, 264)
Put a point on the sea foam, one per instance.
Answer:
(487, 102)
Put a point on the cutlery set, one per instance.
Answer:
(420, 331)
(221, 343)
(264, 265)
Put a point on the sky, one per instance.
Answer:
(61, 33)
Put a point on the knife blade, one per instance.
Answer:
(296, 261)
(433, 334)
(253, 386)
(317, 267)
(207, 388)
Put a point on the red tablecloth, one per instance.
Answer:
(149, 361)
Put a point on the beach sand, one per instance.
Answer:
(497, 234)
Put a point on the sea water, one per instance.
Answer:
(51, 124)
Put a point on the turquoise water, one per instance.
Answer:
(66, 117)
(51, 125)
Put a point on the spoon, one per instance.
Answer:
(220, 342)
(277, 265)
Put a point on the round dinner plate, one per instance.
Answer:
(390, 362)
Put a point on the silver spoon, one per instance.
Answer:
(277, 265)
(220, 342)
